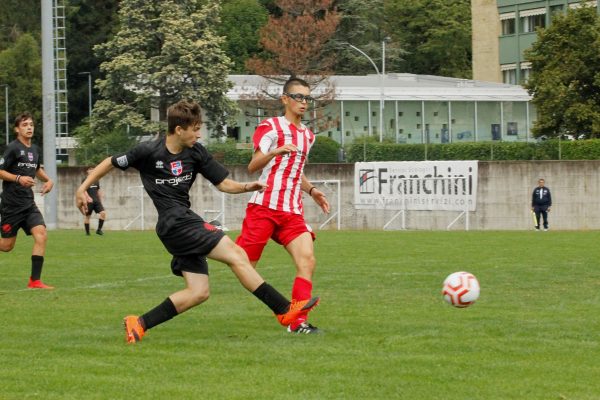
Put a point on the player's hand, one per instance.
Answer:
(285, 149)
(320, 199)
(81, 201)
(26, 181)
(47, 187)
(255, 186)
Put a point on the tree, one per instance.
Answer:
(89, 22)
(565, 75)
(163, 51)
(295, 41)
(361, 25)
(21, 70)
(18, 17)
(436, 34)
(241, 23)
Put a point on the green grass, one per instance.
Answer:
(533, 334)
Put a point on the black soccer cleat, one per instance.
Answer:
(99, 232)
(304, 328)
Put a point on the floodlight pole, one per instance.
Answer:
(380, 84)
(49, 112)
(6, 111)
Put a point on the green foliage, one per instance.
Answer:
(228, 153)
(370, 150)
(565, 75)
(21, 70)
(241, 24)
(93, 147)
(436, 34)
(163, 51)
(324, 150)
(18, 17)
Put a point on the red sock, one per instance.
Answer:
(302, 290)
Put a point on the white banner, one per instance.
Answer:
(416, 185)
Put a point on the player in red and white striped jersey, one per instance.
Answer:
(281, 147)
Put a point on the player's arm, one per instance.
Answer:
(316, 194)
(260, 159)
(235, 187)
(43, 176)
(81, 194)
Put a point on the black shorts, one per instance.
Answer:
(11, 220)
(95, 206)
(188, 238)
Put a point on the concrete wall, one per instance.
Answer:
(503, 199)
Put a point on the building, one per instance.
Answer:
(504, 29)
(416, 109)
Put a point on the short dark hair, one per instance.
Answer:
(294, 81)
(183, 113)
(22, 117)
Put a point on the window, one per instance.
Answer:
(374, 113)
(400, 130)
(532, 22)
(418, 126)
(356, 118)
(400, 113)
(435, 113)
(509, 73)
(418, 113)
(347, 113)
(508, 26)
(525, 71)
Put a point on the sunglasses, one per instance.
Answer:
(299, 97)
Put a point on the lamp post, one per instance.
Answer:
(89, 75)
(6, 110)
(381, 77)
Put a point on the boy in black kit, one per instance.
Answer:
(168, 168)
(94, 201)
(20, 164)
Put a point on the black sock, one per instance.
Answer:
(87, 228)
(100, 223)
(36, 267)
(272, 298)
(159, 314)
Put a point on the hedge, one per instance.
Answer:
(371, 150)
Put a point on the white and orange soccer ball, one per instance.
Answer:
(461, 289)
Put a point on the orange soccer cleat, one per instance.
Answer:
(297, 308)
(134, 332)
(38, 284)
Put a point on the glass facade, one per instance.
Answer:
(405, 121)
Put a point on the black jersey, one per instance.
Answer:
(168, 177)
(93, 191)
(21, 160)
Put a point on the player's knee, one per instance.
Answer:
(199, 296)
(307, 262)
(40, 237)
(6, 246)
(239, 257)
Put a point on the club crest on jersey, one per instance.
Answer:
(176, 168)
(30, 156)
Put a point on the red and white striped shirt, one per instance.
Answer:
(283, 173)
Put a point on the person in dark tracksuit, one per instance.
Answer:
(541, 201)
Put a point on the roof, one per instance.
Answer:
(396, 86)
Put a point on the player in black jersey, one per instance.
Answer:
(20, 164)
(94, 201)
(168, 167)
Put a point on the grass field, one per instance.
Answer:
(533, 334)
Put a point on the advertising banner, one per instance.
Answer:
(416, 185)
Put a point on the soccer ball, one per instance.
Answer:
(461, 289)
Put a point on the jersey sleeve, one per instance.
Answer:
(206, 165)
(8, 158)
(132, 158)
(263, 137)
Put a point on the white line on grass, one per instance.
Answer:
(103, 285)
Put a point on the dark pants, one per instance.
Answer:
(541, 211)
